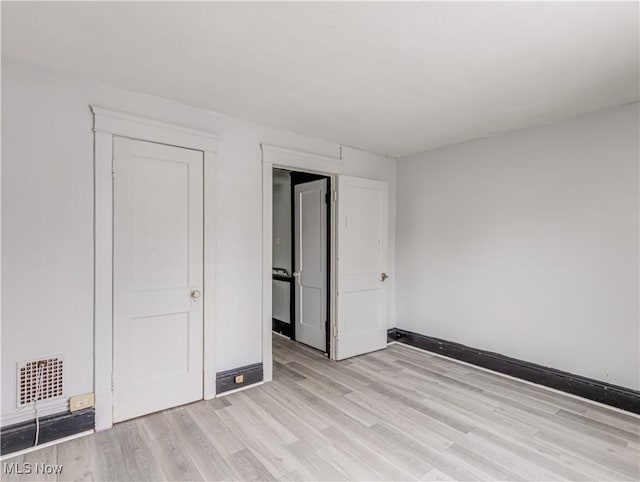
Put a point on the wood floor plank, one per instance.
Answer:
(29, 467)
(574, 431)
(619, 419)
(505, 459)
(139, 461)
(76, 456)
(432, 459)
(348, 422)
(288, 394)
(282, 369)
(395, 414)
(168, 452)
(478, 414)
(246, 466)
(108, 457)
(554, 469)
(301, 474)
(377, 364)
(328, 383)
(617, 462)
(414, 423)
(219, 435)
(484, 465)
(207, 460)
(622, 434)
(346, 463)
(270, 452)
(445, 417)
(317, 466)
(408, 454)
(435, 476)
(253, 412)
(439, 364)
(585, 464)
(518, 390)
(473, 391)
(368, 456)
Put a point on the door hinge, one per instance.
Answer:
(335, 196)
(113, 168)
(112, 382)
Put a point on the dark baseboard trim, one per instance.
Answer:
(613, 395)
(226, 380)
(281, 327)
(21, 435)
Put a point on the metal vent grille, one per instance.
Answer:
(42, 379)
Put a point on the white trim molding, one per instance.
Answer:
(277, 156)
(127, 125)
(107, 124)
(305, 161)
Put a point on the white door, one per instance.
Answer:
(310, 228)
(157, 277)
(362, 262)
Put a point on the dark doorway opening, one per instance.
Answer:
(288, 274)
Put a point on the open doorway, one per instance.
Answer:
(301, 257)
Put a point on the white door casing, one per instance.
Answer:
(362, 259)
(106, 125)
(291, 159)
(157, 277)
(310, 268)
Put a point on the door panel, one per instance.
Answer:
(158, 264)
(362, 258)
(159, 226)
(168, 334)
(310, 228)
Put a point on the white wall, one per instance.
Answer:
(47, 219)
(281, 243)
(526, 244)
(282, 219)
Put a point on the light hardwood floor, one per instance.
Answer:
(397, 414)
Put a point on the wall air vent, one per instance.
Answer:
(40, 379)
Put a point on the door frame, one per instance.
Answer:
(107, 124)
(293, 160)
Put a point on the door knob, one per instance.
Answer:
(383, 277)
(195, 294)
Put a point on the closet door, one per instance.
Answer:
(157, 276)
